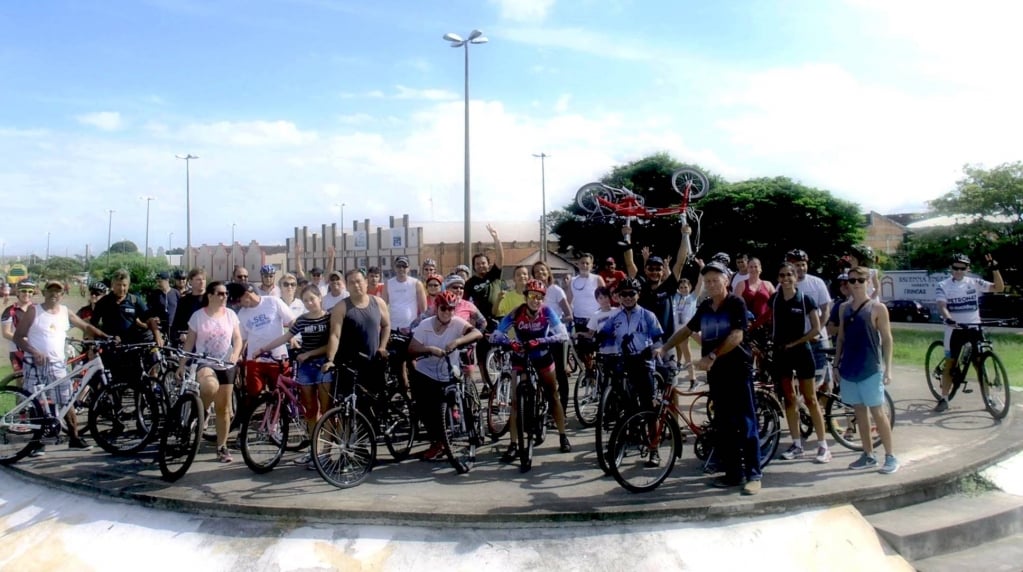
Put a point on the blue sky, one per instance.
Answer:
(295, 106)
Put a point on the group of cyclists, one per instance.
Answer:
(643, 315)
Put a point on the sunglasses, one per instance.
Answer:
(289, 284)
(242, 277)
(445, 309)
(535, 296)
(959, 268)
(221, 293)
(629, 294)
(335, 279)
(26, 291)
(453, 287)
(857, 280)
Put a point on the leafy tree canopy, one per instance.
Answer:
(123, 247)
(984, 192)
(58, 268)
(143, 271)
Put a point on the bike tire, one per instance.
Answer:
(263, 435)
(586, 397)
(494, 362)
(994, 385)
(397, 426)
(17, 440)
(698, 183)
(631, 444)
(586, 197)
(180, 436)
(608, 414)
(934, 362)
(499, 406)
(14, 379)
(298, 432)
(124, 418)
(572, 361)
(344, 447)
(459, 441)
(525, 427)
(840, 418)
(770, 423)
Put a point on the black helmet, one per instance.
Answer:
(179, 274)
(629, 284)
(796, 255)
(715, 266)
(98, 288)
(960, 258)
(722, 257)
(863, 253)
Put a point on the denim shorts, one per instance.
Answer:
(309, 372)
(869, 391)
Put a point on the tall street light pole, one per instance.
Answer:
(110, 226)
(232, 245)
(47, 246)
(342, 207)
(188, 208)
(543, 209)
(170, 242)
(475, 37)
(148, 200)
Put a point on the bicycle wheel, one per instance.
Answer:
(840, 417)
(526, 426)
(572, 361)
(397, 426)
(344, 447)
(264, 433)
(608, 413)
(495, 362)
(21, 424)
(695, 180)
(14, 379)
(770, 420)
(298, 431)
(499, 406)
(180, 436)
(586, 197)
(209, 426)
(124, 418)
(587, 397)
(934, 362)
(994, 385)
(643, 449)
(459, 441)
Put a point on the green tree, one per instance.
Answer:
(982, 192)
(143, 271)
(60, 268)
(930, 248)
(123, 247)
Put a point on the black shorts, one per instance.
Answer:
(799, 359)
(224, 376)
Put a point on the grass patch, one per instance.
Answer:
(910, 347)
(5, 370)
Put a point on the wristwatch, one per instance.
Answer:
(713, 356)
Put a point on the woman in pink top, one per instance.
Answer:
(755, 292)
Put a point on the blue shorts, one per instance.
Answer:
(820, 361)
(869, 391)
(309, 372)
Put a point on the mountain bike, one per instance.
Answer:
(265, 431)
(124, 416)
(979, 352)
(499, 404)
(532, 410)
(461, 420)
(26, 418)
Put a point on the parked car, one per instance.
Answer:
(1001, 307)
(907, 311)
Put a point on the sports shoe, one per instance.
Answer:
(891, 464)
(224, 456)
(566, 447)
(751, 488)
(511, 453)
(436, 450)
(823, 455)
(794, 452)
(79, 444)
(941, 406)
(724, 482)
(38, 451)
(654, 461)
(864, 462)
(304, 459)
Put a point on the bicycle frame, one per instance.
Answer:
(84, 372)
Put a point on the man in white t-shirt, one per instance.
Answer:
(261, 320)
(817, 290)
(741, 260)
(336, 291)
(958, 301)
(405, 296)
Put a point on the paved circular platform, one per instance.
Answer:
(936, 450)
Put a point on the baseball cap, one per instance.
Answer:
(714, 266)
(454, 279)
(338, 274)
(26, 285)
(51, 283)
(316, 270)
(401, 260)
(162, 276)
(843, 277)
(655, 261)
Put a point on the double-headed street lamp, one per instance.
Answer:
(543, 209)
(148, 200)
(188, 209)
(475, 37)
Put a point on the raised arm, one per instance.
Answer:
(299, 270)
(683, 252)
(498, 247)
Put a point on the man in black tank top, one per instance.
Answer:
(360, 325)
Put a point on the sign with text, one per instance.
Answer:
(916, 285)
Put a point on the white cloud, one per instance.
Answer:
(524, 10)
(561, 105)
(105, 120)
(580, 40)
(245, 134)
(404, 92)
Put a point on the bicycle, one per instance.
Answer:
(461, 420)
(532, 410)
(124, 416)
(265, 432)
(74, 352)
(28, 417)
(499, 401)
(617, 401)
(181, 431)
(978, 351)
(588, 384)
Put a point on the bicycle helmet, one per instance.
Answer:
(796, 255)
(722, 257)
(536, 286)
(267, 269)
(434, 278)
(863, 253)
(179, 274)
(629, 284)
(448, 299)
(98, 288)
(960, 258)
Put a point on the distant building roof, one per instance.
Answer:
(453, 231)
(952, 220)
(906, 218)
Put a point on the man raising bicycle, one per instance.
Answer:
(536, 328)
(958, 300)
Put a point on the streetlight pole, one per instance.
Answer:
(188, 208)
(47, 246)
(110, 226)
(148, 200)
(475, 37)
(543, 209)
(342, 206)
(232, 245)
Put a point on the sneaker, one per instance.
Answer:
(566, 447)
(724, 482)
(38, 451)
(891, 464)
(511, 453)
(304, 459)
(794, 452)
(654, 461)
(692, 384)
(864, 462)
(435, 451)
(79, 444)
(941, 406)
(823, 456)
(224, 456)
(751, 487)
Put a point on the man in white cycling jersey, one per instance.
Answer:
(958, 301)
